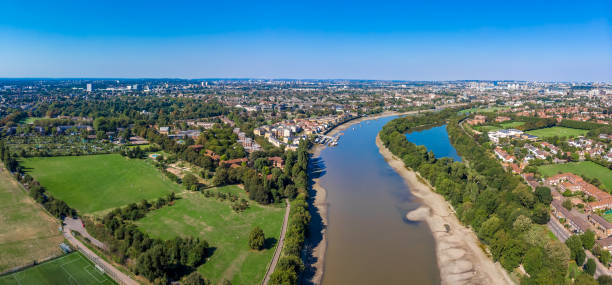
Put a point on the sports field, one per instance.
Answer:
(512, 124)
(586, 168)
(225, 230)
(27, 232)
(70, 269)
(486, 128)
(557, 131)
(99, 182)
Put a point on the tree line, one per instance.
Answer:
(502, 210)
(55, 206)
(158, 260)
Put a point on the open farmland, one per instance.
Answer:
(557, 131)
(27, 232)
(72, 268)
(587, 168)
(227, 232)
(99, 182)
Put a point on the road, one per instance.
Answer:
(562, 234)
(77, 226)
(279, 246)
(558, 230)
(108, 268)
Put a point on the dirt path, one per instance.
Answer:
(460, 258)
(279, 247)
(113, 272)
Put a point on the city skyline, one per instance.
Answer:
(560, 41)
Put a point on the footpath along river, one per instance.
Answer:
(369, 239)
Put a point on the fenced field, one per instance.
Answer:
(73, 268)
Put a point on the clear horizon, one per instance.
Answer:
(559, 41)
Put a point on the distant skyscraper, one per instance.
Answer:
(88, 87)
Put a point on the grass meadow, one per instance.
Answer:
(557, 131)
(512, 124)
(73, 268)
(587, 168)
(225, 230)
(27, 232)
(96, 183)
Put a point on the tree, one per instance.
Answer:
(543, 195)
(574, 243)
(604, 257)
(221, 176)
(604, 280)
(590, 267)
(522, 223)
(194, 278)
(534, 260)
(588, 239)
(489, 227)
(540, 214)
(585, 279)
(567, 204)
(257, 238)
(190, 181)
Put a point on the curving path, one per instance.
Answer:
(279, 247)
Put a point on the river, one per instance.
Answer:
(369, 240)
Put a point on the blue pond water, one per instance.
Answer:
(436, 140)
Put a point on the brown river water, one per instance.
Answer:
(369, 240)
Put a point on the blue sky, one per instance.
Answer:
(420, 40)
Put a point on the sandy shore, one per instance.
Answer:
(320, 197)
(460, 258)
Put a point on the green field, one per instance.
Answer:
(587, 168)
(557, 131)
(226, 231)
(486, 128)
(608, 217)
(27, 232)
(99, 182)
(30, 120)
(512, 124)
(73, 268)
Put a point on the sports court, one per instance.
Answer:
(73, 268)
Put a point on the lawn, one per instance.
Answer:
(31, 120)
(227, 231)
(486, 128)
(587, 168)
(608, 217)
(99, 182)
(557, 131)
(512, 124)
(27, 232)
(72, 268)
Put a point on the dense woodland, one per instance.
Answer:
(504, 212)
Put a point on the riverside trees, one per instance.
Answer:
(501, 209)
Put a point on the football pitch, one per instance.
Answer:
(73, 268)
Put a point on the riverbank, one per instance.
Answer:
(319, 201)
(460, 258)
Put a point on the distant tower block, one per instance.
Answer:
(88, 87)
